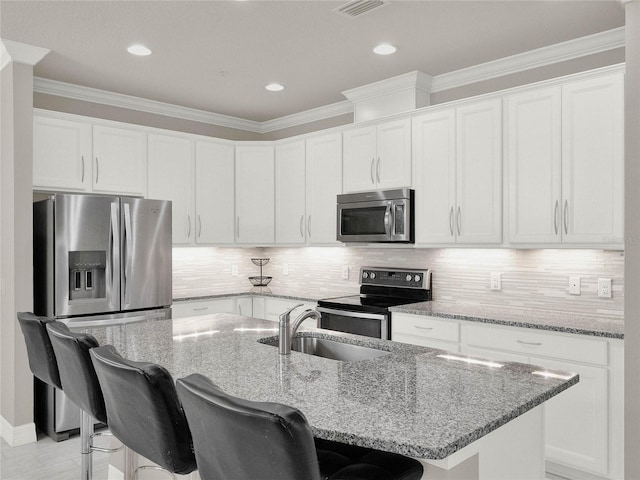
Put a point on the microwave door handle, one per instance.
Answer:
(387, 221)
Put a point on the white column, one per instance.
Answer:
(16, 250)
(632, 245)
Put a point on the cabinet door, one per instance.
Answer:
(534, 162)
(324, 183)
(478, 216)
(434, 179)
(170, 177)
(255, 204)
(214, 193)
(593, 161)
(393, 162)
(360, 159)
(576, 421)
(61, 154)
(119, 160)
(244, 306)
(290, 193)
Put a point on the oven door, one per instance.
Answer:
(375, 325)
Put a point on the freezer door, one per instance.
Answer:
(87, 254)
(146, 253)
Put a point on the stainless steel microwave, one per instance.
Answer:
(380, 216)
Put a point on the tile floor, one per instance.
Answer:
(48, 460)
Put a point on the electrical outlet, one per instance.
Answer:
(604, 288)
(285, 269)
(574, 285)
(234, 270)
(345, 272)
(496, 281)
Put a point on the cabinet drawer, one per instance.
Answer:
(529, 342)
(426, 327)
(195, 308)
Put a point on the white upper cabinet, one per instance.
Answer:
(478, 217)
(170, 177)
(255, 199)
(290, 193)
(324, 183)
(565, 161)
(593, 160)
(214, 193)
(533, 146)
(377, 156)
(61, 154)
(458, 174)
(77, 156)
(119, 160)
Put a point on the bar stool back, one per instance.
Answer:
(236, 438)
(144, 411)
(42, 358)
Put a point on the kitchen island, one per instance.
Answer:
(468, 420)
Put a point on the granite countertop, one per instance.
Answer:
(577, 323)
(411, 402)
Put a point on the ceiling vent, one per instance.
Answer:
(359, 7)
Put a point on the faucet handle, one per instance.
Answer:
(284, 317)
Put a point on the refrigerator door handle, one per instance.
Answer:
(128, 243)
(114, 235)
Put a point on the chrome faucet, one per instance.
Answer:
(286, 333)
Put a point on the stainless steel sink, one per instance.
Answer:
(323, 347)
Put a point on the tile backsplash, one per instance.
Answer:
(537, 279)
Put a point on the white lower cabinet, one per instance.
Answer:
(203, 307)
(584, 424)
(270, 308)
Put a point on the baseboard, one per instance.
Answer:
(20, 435)
(114, 473)
(556, 471)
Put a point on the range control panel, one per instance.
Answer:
(388, 277)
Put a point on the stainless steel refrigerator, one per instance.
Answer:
(98, 260)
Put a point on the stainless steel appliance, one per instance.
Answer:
(380, 288)
(380, 216)
(98, 259)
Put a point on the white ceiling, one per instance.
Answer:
(217, 56)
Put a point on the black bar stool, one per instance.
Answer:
(235, 439)
(42, 358)
(144, 411)
(80, 384)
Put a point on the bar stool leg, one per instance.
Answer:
(129, 470)
(86, 431)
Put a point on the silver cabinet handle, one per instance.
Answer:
(199, 309)
(309, 226)
(373, 161)
(238, 226)
(302, 226)
(566, 216)
(532, 344)
(199, 226)
(82, 179)
(451, 221)
(458, 220)
(378, 170)
(422, 328)
(188, 225)
(97, 170)
(555, 217)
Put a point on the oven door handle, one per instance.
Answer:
(349, 313)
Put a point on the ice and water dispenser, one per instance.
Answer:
(87, 274)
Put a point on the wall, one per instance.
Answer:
(535, 279)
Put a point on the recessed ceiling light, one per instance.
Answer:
(139, 50)
(384, 49)
(274, 87)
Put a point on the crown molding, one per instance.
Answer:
(416, 80)
(11, 51)
(591, 44)
(94, 95)
(559, 52)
